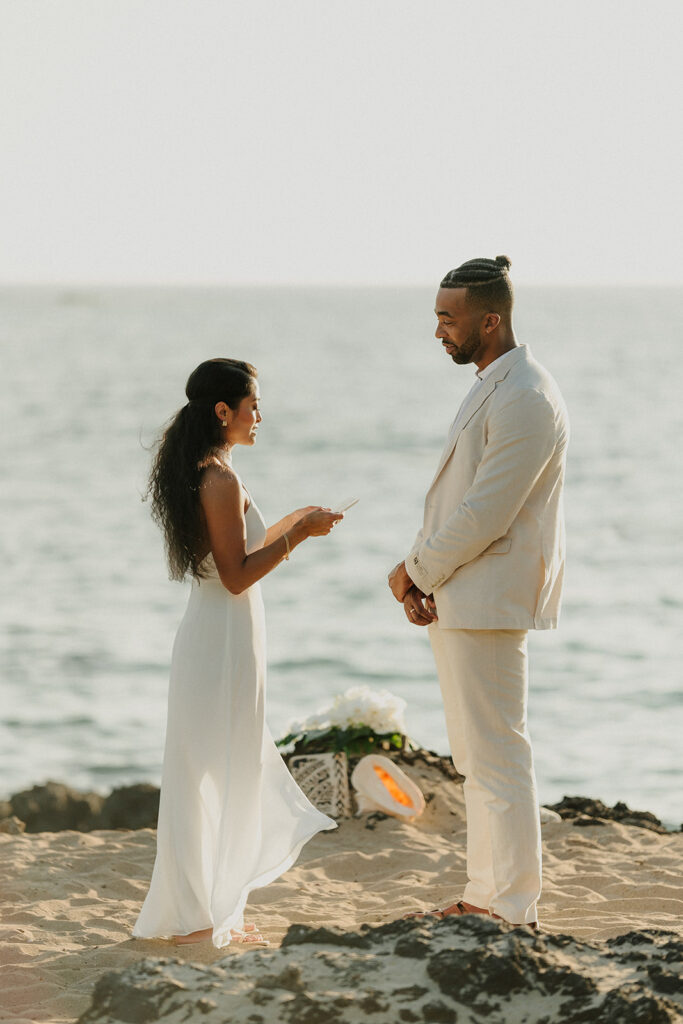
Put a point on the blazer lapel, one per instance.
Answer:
(475, 403)
(487, 388)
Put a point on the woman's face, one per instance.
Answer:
(243, 425)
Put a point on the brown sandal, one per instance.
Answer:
(455, 910)
(459, 908)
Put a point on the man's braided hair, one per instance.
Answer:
(487, 282)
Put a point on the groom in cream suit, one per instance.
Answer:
(486, 567)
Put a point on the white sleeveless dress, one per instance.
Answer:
(231, 817)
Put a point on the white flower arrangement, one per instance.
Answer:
(358, 721)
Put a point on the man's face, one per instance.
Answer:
(459, 325)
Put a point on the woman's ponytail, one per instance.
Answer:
(181, 453)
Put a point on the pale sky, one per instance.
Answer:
(364, 142)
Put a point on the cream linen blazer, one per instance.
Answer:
(492, 546)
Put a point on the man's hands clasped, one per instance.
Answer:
(420, 610)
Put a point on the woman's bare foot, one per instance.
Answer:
(249, 935)
(200, 936)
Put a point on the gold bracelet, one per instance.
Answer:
(288, 552)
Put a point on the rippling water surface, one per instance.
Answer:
(357, 398)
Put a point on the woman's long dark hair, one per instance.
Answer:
(187, 443)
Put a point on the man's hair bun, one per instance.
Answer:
(478, 272)
(487, 282)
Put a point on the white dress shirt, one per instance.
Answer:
(481, 376)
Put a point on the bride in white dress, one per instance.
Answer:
(231, 817)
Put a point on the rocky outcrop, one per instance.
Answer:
(584, 811)
(130, 807)
(12, 826)
(467, 969)
(54, 807)
(417, 755)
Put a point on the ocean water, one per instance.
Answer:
(357, 399)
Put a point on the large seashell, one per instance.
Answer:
(382, 786)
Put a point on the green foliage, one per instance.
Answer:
(355, 741)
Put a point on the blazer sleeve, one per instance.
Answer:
(522, 435)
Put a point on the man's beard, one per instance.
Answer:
(467, 350)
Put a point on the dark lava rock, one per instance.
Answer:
(301, 934)
(439, 1013)
(475, 969)
(261, 998)
(584, 819)
(666, 981)
(289, 979)
(413, 941)
(630, 1005)
(642, 938)
(304, 1009)
(54, 807)
(502, 968)
(147, 1001)
(206, 1005)
(413, 947)
(372, 1003)
(131, 807)
(371, 820)
(410, 992)
(628, 948)
(433, 760)
(581, 807)
(12, 826)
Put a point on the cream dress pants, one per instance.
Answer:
(484, 680)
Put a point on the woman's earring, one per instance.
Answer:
(225, 423)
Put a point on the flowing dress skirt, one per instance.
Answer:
(231, 817)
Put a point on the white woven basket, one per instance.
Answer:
(325, 781)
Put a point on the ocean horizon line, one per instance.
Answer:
(366, 286)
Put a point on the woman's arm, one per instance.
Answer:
(222, 500)
(279, 529)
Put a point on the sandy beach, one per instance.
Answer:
(69, 899)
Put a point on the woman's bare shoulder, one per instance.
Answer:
(217, 477)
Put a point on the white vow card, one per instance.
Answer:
(344, 506)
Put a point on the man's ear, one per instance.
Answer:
(491, 321)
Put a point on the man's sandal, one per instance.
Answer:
(460, 908)
(455, 910)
